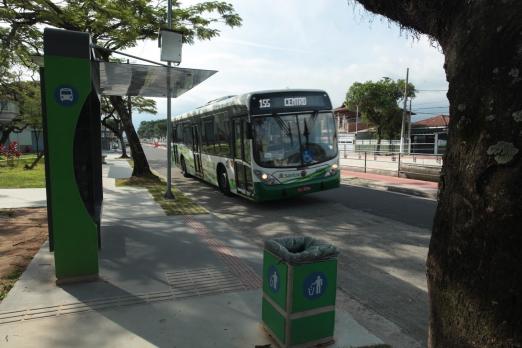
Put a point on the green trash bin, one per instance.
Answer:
(299, 287)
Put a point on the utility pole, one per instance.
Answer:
(356, 120)
(401, 150)
(168, 193)
(409, 131)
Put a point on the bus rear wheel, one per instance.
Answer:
(224, 186)
(184, 168)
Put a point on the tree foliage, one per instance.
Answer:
(377, 103)
(153, 129)
(26, 96)
(112, 121)
(115, 25)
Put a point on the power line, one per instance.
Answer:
(426, 113)
(433, 107)
(429, 103)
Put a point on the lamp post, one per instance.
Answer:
(401, 150)
(168, 193)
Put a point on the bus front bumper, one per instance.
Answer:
(265, 192)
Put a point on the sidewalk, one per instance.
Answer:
(426, 189)
(22, 198)
(183, 281)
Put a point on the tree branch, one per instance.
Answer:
(422, 16)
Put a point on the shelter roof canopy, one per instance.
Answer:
(120, 79)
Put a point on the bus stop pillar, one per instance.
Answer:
(71, 110)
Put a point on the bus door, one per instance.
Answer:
(196, 149)
(242, 156)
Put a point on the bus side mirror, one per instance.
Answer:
(248, 131)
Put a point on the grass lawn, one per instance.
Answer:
(182, 205)
(18, 177)
(8, 282)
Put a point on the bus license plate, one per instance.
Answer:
(304, 189)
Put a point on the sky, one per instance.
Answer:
(327, 44)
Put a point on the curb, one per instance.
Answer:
(391, 188)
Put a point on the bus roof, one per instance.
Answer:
(238, 100)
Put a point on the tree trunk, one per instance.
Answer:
(379, 138)
(5, 135)
(475, 256)
(37, 138)
(141, 166)
(123, 146)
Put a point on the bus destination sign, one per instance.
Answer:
(274, 103)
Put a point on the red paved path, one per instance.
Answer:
(392, 180)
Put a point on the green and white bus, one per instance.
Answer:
(264, 145)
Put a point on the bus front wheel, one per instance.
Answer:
(184, 168)
(224, 186)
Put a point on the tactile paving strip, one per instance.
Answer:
(184, 284)
(237, 276)
(84, 306)
(204, 281)
(234, 263)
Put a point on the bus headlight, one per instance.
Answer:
(333, 170)
(266, 178)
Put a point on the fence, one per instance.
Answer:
(422, 166)
(393, 146)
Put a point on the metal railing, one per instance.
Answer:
(392, 162)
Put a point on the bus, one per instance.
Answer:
(265, 145)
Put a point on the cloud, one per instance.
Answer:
(304, 44)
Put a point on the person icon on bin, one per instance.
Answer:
(316, 287)
(273, 281)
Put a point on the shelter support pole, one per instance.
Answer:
(168, 193)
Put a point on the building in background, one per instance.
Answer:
(430, 135)
(347, 121)
(108, 139)
(30, 139)
(8, 111)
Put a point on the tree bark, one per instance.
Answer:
(141, 165)
(123, 146)
(379, 138)
(474, 265)
(117, 131)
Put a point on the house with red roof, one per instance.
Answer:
(348, 121)
(430, 135)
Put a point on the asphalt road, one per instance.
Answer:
(383, 239)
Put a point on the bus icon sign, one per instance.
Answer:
(65, 95)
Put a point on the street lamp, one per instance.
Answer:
(170, 43)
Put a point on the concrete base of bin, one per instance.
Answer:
(322, 342)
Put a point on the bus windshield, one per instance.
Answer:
(294, 140)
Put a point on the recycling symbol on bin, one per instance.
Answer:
(314, 286)
(273, 279)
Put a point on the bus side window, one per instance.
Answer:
(208, 129)
(222, 135)
(187, 135)
(179, 133)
